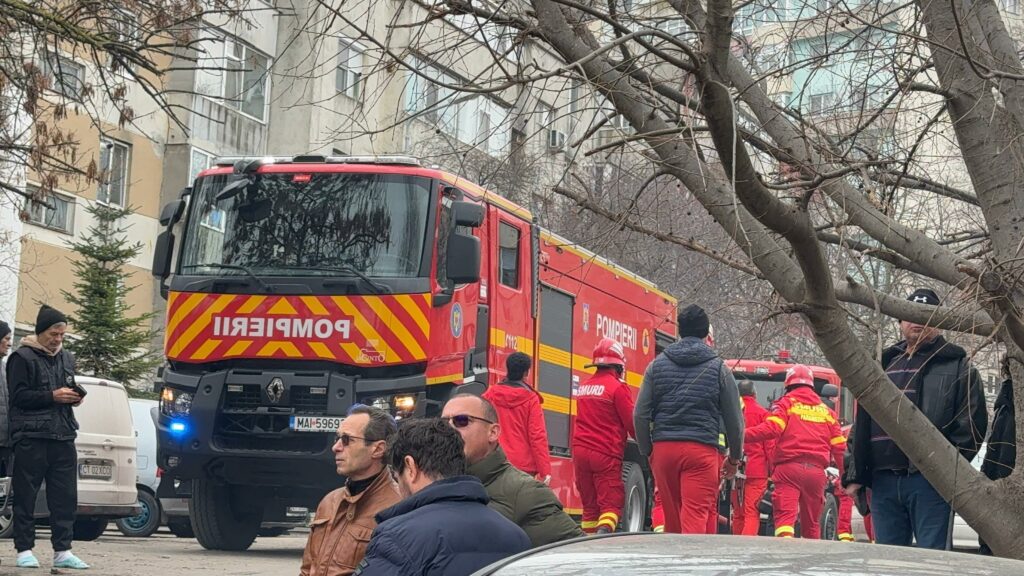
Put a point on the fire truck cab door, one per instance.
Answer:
(510, 286)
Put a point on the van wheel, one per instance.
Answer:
(181, 527)
(89, 529)
(146, 522)
(7, 525)
(830, 518)
(634, 511)
(224, 517)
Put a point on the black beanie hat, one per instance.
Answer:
(47, 317)
(924, 296)
(5, 329)
(693, 321)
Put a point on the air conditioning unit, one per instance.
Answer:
(556, 140)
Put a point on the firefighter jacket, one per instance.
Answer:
(342, 527)
(758, 455)
(951, 397)
(523, 500)
(804, 428)
(604, 414)
(524, 436)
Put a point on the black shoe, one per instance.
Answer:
(604, 530)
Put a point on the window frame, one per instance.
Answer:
(229, 45)
(53, 67)
(31, 204)
(112, 144)
(505, 226)
(345, 70)
(193, 173)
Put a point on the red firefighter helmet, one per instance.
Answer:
(798, 374)
(608, 352)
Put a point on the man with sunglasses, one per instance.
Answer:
(444, 525)
(345, 518)
(517, 495)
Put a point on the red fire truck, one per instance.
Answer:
(302, 285)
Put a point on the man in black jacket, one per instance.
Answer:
(938, 379)
(41, 382)
(1001, 450)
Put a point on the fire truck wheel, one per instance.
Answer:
(830, 518)
(634, 511)
(222, 516)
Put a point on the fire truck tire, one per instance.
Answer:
(830, 518)
(634, 510)
(218, 524)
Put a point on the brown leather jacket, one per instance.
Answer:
(342, 526)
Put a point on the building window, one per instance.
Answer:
(200, 160)
(66, 76)
(508, 255)
(350, 67)
(1011, 6)
(55, 212)
(236, 74)
(545, 118)
(821, 103)
(483, 128)
(114, 159)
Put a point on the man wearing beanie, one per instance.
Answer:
(688, 395)
(41, 382)
(938, 379)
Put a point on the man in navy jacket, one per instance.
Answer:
(443, 526)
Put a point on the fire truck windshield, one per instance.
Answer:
(372, 225)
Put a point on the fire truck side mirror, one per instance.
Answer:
(463, 258)
(171, 212)
(829, 391)
(468, 214)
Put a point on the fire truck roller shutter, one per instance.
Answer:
(555, 378)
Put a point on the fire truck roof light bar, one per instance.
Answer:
(314, 159)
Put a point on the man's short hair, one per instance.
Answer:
(490, 412)
(380, 426)
(435, 446)
(517, 365)
(746, 388)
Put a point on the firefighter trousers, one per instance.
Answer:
(687, 475)
(799, 488)
(844, 524)
(599, 480)
(746, 518)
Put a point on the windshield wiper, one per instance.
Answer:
(266, 287)
(378, 288)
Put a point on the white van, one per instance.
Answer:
(106, 460)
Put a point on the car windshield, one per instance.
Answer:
(320, 224)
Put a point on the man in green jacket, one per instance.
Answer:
(515, 494)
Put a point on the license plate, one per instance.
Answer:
(104, 471)
(315, 423)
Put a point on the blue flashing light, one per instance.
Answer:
(178, 428)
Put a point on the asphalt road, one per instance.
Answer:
(165, 555)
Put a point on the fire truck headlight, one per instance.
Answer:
(404, 405)
(175, 402)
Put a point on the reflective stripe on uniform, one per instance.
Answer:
(721, 440)
(838, 440)
(659, 529)
(785, 531)
(777, 421)
(588, 524)
(845, 537)
(609, 519)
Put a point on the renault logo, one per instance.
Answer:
(275, 390)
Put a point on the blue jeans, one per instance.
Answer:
(905, 507)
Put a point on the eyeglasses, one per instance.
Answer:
(463, 420)
(346, 439)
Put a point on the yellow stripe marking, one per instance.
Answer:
(251, 304)
(573, 511)
(406, 302)
(282, 307)
(186, 308)
(321, 350)
(314, 305)
(777, 421)
(399, 329)
(364, 327)
(559, 404)
(784, 530)
(238, 348)
(353, 351)
(838, 440)
(290, 350)
(553, 355)
(206, 349)
(596, 260)
(200, 324)
(443, 379)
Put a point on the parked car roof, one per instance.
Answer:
(649, 553)
(93, 381)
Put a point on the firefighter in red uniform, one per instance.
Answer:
(604, 418)
(747, 519)
(808, 440)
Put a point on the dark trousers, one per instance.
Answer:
(55, 461)
(905, 507)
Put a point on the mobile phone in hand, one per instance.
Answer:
(78, 388)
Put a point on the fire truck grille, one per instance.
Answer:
(305, 401)
(265, 433)
(247, 397)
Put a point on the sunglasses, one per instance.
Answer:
(346, 439)
(463, 420)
